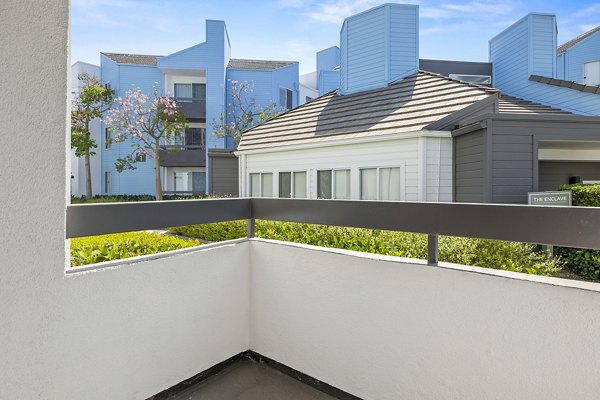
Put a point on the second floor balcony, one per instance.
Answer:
(193, 108)
(186, 150)
(353, 325)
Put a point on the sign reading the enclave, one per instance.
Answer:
(550, 198)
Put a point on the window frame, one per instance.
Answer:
(189, 99)
(378, 168)
(333, 181)
(456, 77)
(289, 95)
(292, 184)
(107, 138)
(107, 181)
(260, 183)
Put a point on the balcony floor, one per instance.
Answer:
(251, 380)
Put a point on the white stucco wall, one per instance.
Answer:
(122, 333)
(425, 162)
(381, 328)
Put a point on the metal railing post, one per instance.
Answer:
(251, 228)
(432, 249)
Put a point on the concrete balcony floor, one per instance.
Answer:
(250, 380)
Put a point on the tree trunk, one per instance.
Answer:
(88, 170)
(157, 171)
(88, 177)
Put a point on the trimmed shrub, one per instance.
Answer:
(584, 195)
(584, 262)
(509, 256)
(95, 249)
(215, 232)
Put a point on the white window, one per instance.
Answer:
(333, 184)
(190, 92)
(478, 79)
(261, 185)
(189, 181)
(380, 184)
(292, 184)
(285, 98)
(106, 181)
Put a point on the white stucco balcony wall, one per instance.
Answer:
(385, 328)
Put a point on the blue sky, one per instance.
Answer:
(297, 29)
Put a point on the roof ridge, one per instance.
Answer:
(594, 89)
(508, 97)
(565, 46)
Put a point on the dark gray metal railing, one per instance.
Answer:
(559, 226)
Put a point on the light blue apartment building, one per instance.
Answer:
(199, 79)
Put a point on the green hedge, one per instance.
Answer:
(508, 256)
(584, 262)
(584, 195)
(95, 249)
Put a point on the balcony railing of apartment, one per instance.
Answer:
(560, 226)
(192, 108)
(182, 155)
(180, 147)
(371, 326)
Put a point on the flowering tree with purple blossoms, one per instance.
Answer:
(146, 121)
(243, 112)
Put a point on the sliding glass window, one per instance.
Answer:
(292, 184)
(261, 185)
(333, 184)
(380, 184)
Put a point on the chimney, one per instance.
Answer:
(379, 46)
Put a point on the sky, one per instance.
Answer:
(294, 30)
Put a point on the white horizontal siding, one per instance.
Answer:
(396, 152)
(438, 169)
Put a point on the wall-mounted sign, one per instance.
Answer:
(562, 198)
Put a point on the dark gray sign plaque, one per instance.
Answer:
(562, 198)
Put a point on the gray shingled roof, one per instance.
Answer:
(405, 106)
(257, 64)
(595, 89)
(562, 48)
(514, 105)
(140, 59)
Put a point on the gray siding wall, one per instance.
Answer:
(444, 67)
(514, 153)
(469, 167)
(556, 173)
(223, 174)
(512, 167)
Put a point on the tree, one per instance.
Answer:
(146, 121)
(92, 102)
(243, 112)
